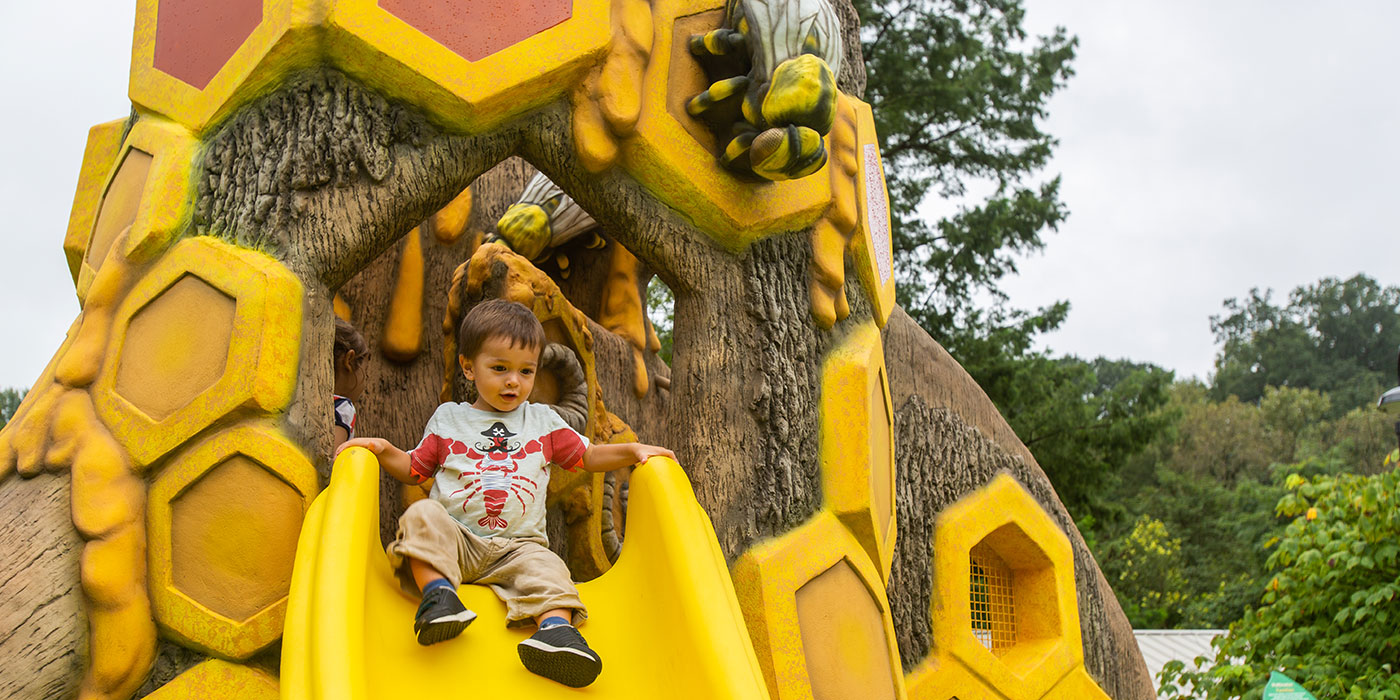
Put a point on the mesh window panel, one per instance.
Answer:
(993, 609)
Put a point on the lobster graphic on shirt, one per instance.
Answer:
(497, 461)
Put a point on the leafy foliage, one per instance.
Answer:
(1213, 477)
(1330, 617)
(1146, 574)
(661, 311)
(10, 399)
(1082, 419)
(958, 89)
(1218, 529)
(1335, 336)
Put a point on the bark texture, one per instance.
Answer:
(325, 175)
(950, 440)
(852, 78)
(43, 630)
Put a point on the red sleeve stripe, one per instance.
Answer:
(564, 448)
(425, 459)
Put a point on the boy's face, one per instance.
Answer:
(503, 374)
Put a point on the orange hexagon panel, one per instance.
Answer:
(818, 616)
(471, 65)
(223, 521)
(857, 443)
(194, 61)
(211, 328)
(1004, 604)
(675, 157)
(142, 183)
(872, 242)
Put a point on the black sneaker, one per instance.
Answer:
(441, 616)
(560, 654)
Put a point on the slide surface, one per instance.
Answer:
(664, 619)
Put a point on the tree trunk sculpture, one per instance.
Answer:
(333, 160)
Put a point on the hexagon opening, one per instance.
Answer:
(1013, 598)
(993, 605)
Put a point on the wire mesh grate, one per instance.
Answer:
(993, 607)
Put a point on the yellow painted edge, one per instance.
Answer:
(167, 199)
(941, 675)
(957, 529)
(104, 142)
(181, 616)
(391, 55)
(268, 301)
(881, 293)
(216, 679)
(1077, 685)
(766, 579)
(845, 437)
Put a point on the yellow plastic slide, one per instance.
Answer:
(664, 618)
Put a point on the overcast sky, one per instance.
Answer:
(1206, 148)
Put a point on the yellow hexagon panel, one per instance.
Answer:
(1004, 600)
(103, 145)
(818, 617)
(216, 679)
(857, 443)
(223, 521)
(674, 157)
(146, 186)
(470, 65)
(211, 328)
(873, 243)
(194, 61)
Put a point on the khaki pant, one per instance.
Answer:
(523, 572)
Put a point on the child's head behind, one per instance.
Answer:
(350, 349)
(499, 344)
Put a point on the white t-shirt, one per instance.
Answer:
(491, 470)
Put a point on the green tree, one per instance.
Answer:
(1335, 336)
(10, 399)
(1364, 436)
(661, 311)
(1330, 616)
(1081, 419)
(959, 89)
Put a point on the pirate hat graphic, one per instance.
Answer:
(499, 431)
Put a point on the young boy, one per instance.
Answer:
(484, 522)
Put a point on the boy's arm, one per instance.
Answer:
(395, 461)
(605, 458)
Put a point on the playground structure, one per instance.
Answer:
(850, 516)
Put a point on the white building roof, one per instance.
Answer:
(1161, 646)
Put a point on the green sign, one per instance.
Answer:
(1281, 687)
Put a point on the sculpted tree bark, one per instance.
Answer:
(347, 177)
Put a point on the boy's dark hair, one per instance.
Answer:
(347, 339)
(498, 318)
